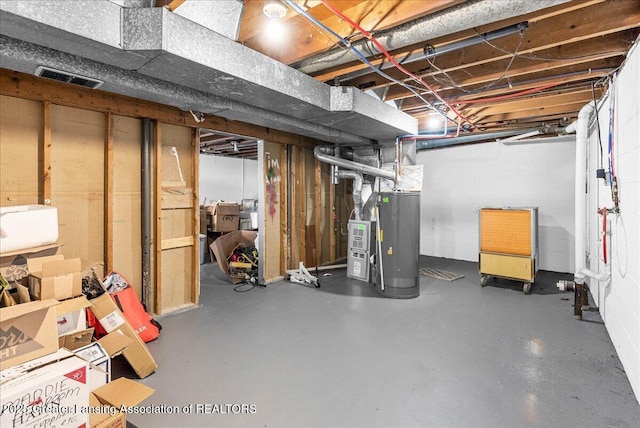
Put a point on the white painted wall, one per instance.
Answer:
(619, 299)
(458, 180)
(228, 179)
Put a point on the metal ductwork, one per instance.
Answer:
(467, 15)
(357, 190)
(157, 55)
(19, 56)
(325, 154)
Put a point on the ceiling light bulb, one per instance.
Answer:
(274, 10)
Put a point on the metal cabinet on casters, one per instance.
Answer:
(509, 245)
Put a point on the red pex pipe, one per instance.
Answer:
(603, 212)
(393, 60)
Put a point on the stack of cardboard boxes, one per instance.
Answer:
(52, 372)
(219, 216)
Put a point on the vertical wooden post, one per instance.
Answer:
(293, 227)
(301, 211)
(157, 191)
(195, 218)
(318, 209)
(108, 193)
(284, 242)
(45, 194)
(332, 220)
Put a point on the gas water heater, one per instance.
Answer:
(398, 244)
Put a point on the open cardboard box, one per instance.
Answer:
(71, 318)
(223, 248)
(223, 216)
(110, 398)
(30, 331)
(112, 319)
(55, 278)
(13, 265)
(99, 354)
(50, 391)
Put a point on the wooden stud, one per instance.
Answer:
(157, 191)
(45, 194)
(301, 206)
(108, 193)
(195, 218)
(332, 220)
(293, 227)
(284, 242)
(183, 241)
(318, 209)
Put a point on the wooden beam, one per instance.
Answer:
(195, 217)
(285, 252)
(332, 220)
(20, 85)
(108, 193)
(183, 241)
(301, 205)
(157, 208)
(558, 37)
(534, 112)
(306, 39)
(556, 13)
(45, 193)
(318, 208)
(542, 100)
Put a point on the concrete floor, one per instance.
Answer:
(341, 356)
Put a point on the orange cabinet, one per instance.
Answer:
(509, 244)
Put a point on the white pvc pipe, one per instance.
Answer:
(584, 272)
(582, 136)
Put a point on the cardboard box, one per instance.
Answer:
(28, 331)
(75, 340)
(223, 216)
(49, 392)
(110, 317)
(99, 355)
(114, 396)
(71, 315)
(13, 265)
(60, 279)
(223, 247)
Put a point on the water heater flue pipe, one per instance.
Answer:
(325, 154)
(357, 191)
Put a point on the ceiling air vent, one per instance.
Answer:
(63, 76)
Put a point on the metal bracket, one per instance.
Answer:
(302, 276)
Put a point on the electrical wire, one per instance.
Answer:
(539, 58)
(392, 59)
(361, 57)
(513, 95)
(593, 94)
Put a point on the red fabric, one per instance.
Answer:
(134, 312)
(92, 321)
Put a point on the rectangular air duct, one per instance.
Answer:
(63, 76)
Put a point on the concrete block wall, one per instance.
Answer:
(228, 179)
(619, 300)
(458, 180)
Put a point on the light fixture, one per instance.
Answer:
(235, 145)
(274, 10)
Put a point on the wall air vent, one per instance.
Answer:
(63, 76)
